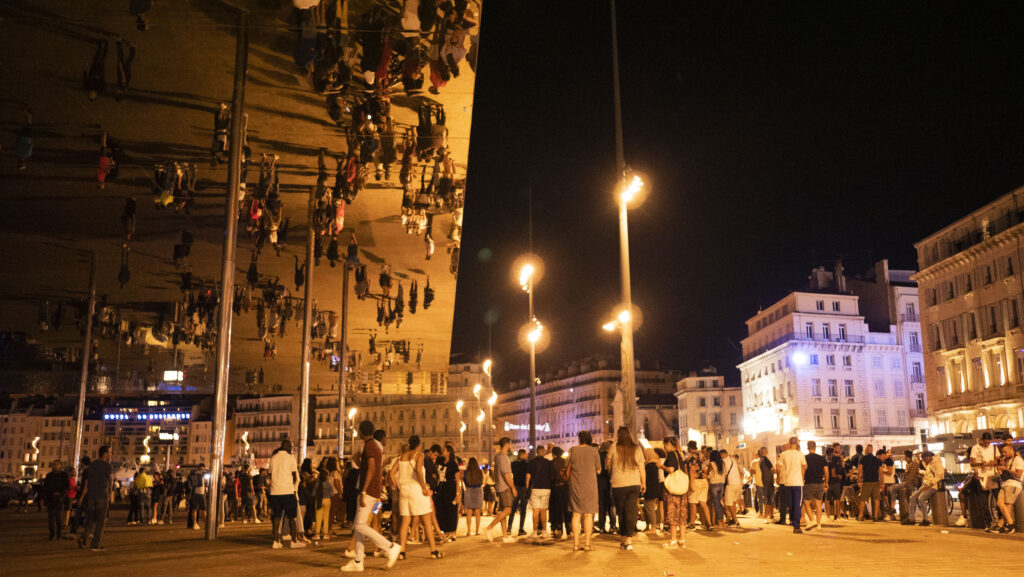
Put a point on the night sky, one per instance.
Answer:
(778, 137)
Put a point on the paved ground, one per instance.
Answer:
(843, 548)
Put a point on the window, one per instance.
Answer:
(820, 305)
(851, 420)
(835, 306)
(826, 331)
(817, 419)
(919, 401)
(703, 419)
(883, 419)
(897, 388)
(879, 388)
(933, 297)
(702, 402)
(847, 361)
(830, 360)
(732, 419)
(988, 274)
(732, 400)
(716, 402)
(700, 384)
(815, 387)
(842, 332)
(809, 330)
(968, 285)
(896, 363)
(901, 418)
(998, 372)
(950, 291)
(876, 362)
(716, 418)
(814, 360)
(835, 419)
(916, 373)
(1009, 266)
(1014, 320)
(848, 388)
(833, 388)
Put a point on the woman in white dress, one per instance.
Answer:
(414, 494)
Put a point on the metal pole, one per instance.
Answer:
(307, 324)
(628, 385)
(227, 284)
(86, 354)
(533, 379)
(342, 378)
(490, 420)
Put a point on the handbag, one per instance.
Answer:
(678, 482)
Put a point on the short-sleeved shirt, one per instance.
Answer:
(371, 450)
(519, 470)
(766, 472)
(815, 473)
(540, 471)
(835, 469)
(673, 460)
(985, 472)
(870, 464)
(790, 465)
(98, 477)
(558, 465)
(282, 465)
(890, 477)
(755, 472)
(501, 466)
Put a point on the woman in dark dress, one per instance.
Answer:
(449, 492)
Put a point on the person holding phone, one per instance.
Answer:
(1010, 471)
(369, 483)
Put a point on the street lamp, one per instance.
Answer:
(479, 424)
(530, 269)
(630, 189)
(488, 366)
(462, 430)
(458, 407)
(341, 430)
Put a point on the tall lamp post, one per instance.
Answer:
(458, 408)
(351, 417)
(528, 275)
(488, 367)
(628, 192)
(479, 431)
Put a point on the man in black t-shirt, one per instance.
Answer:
(522, 495)
(870, 485)
(768, 482)
(836, 473)
(815, 479)
(538, 480)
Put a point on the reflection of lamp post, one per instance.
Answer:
(476, 394)
(488, 366)
(479, 423)
(351, 417)
(533, 336)
(462, 429)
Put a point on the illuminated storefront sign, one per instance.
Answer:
(147, 416)
(546, 427)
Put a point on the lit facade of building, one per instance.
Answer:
(812, 367)
(710, 413)
(974, 347)
(31, 438)
(262, 422)
(583, 397)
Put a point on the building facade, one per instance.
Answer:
(812, 367)
(261, 422)
(582, 396)
(974, 348)
(710, 413)
(32, 437)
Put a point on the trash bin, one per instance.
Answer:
(940, 508)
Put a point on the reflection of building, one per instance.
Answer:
(813, 367)
(974, 348)
(133, 428)
(710, 413)
(265, 421)
(32, 436)
(581, 397)
(433, 417)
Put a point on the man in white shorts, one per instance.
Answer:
(538, 480)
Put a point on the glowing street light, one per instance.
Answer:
(632, 189)
(528, 275)
(488, 364)
(459, 405)
(476, 390)
(493, 398)
(352, 413)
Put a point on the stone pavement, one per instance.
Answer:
(843, 548)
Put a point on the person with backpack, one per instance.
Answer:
(55, 487)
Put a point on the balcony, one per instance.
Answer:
(892, 430)
(801, 337)
(910, 318)
(914, 348)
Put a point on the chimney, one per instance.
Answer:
(840, 277)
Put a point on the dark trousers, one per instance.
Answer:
(95, 520)
(605, 505)
(627, 500)
(558, 509)
(793, 498)
(783, 503)
(55, 517)
(519, 506)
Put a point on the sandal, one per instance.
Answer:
(401, 556)
(436, 554)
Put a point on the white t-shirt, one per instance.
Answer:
(985, 472)
(282, 465)
(755, 471)
(790, 466)
(1015, 466)
(732, 472)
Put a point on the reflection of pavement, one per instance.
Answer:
(183, 68)
(846, 548)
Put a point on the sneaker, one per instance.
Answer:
(508, 539)
(298, 544)
(488, 532)
(563, 537)
(195, 527)
(97, 548)
(797, 530)
(160, 522)
(352, 565)
(960, 522)
(245, 521)
(671, 545)
(257, 521)
(349, 554)
(522, 533)
(81, 542)
(393, 554)
(925, 523)
(1011, 529)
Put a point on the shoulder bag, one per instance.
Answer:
(678, 482)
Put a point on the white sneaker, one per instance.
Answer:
(298, 544)
(960, 522)
(352, 565)
(195, 527)
(245, 521)
(349, 554)
(671, 545)
(276, 545)
(160, 522)
(489, 534)
(257, 521)
(509, 539)
(393, 554)
(563, 537)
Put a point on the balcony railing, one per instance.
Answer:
(892, 430)
(802, 337)
(910, 318)
(914, 347)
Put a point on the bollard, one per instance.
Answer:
(903, 498)
(940, 509)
